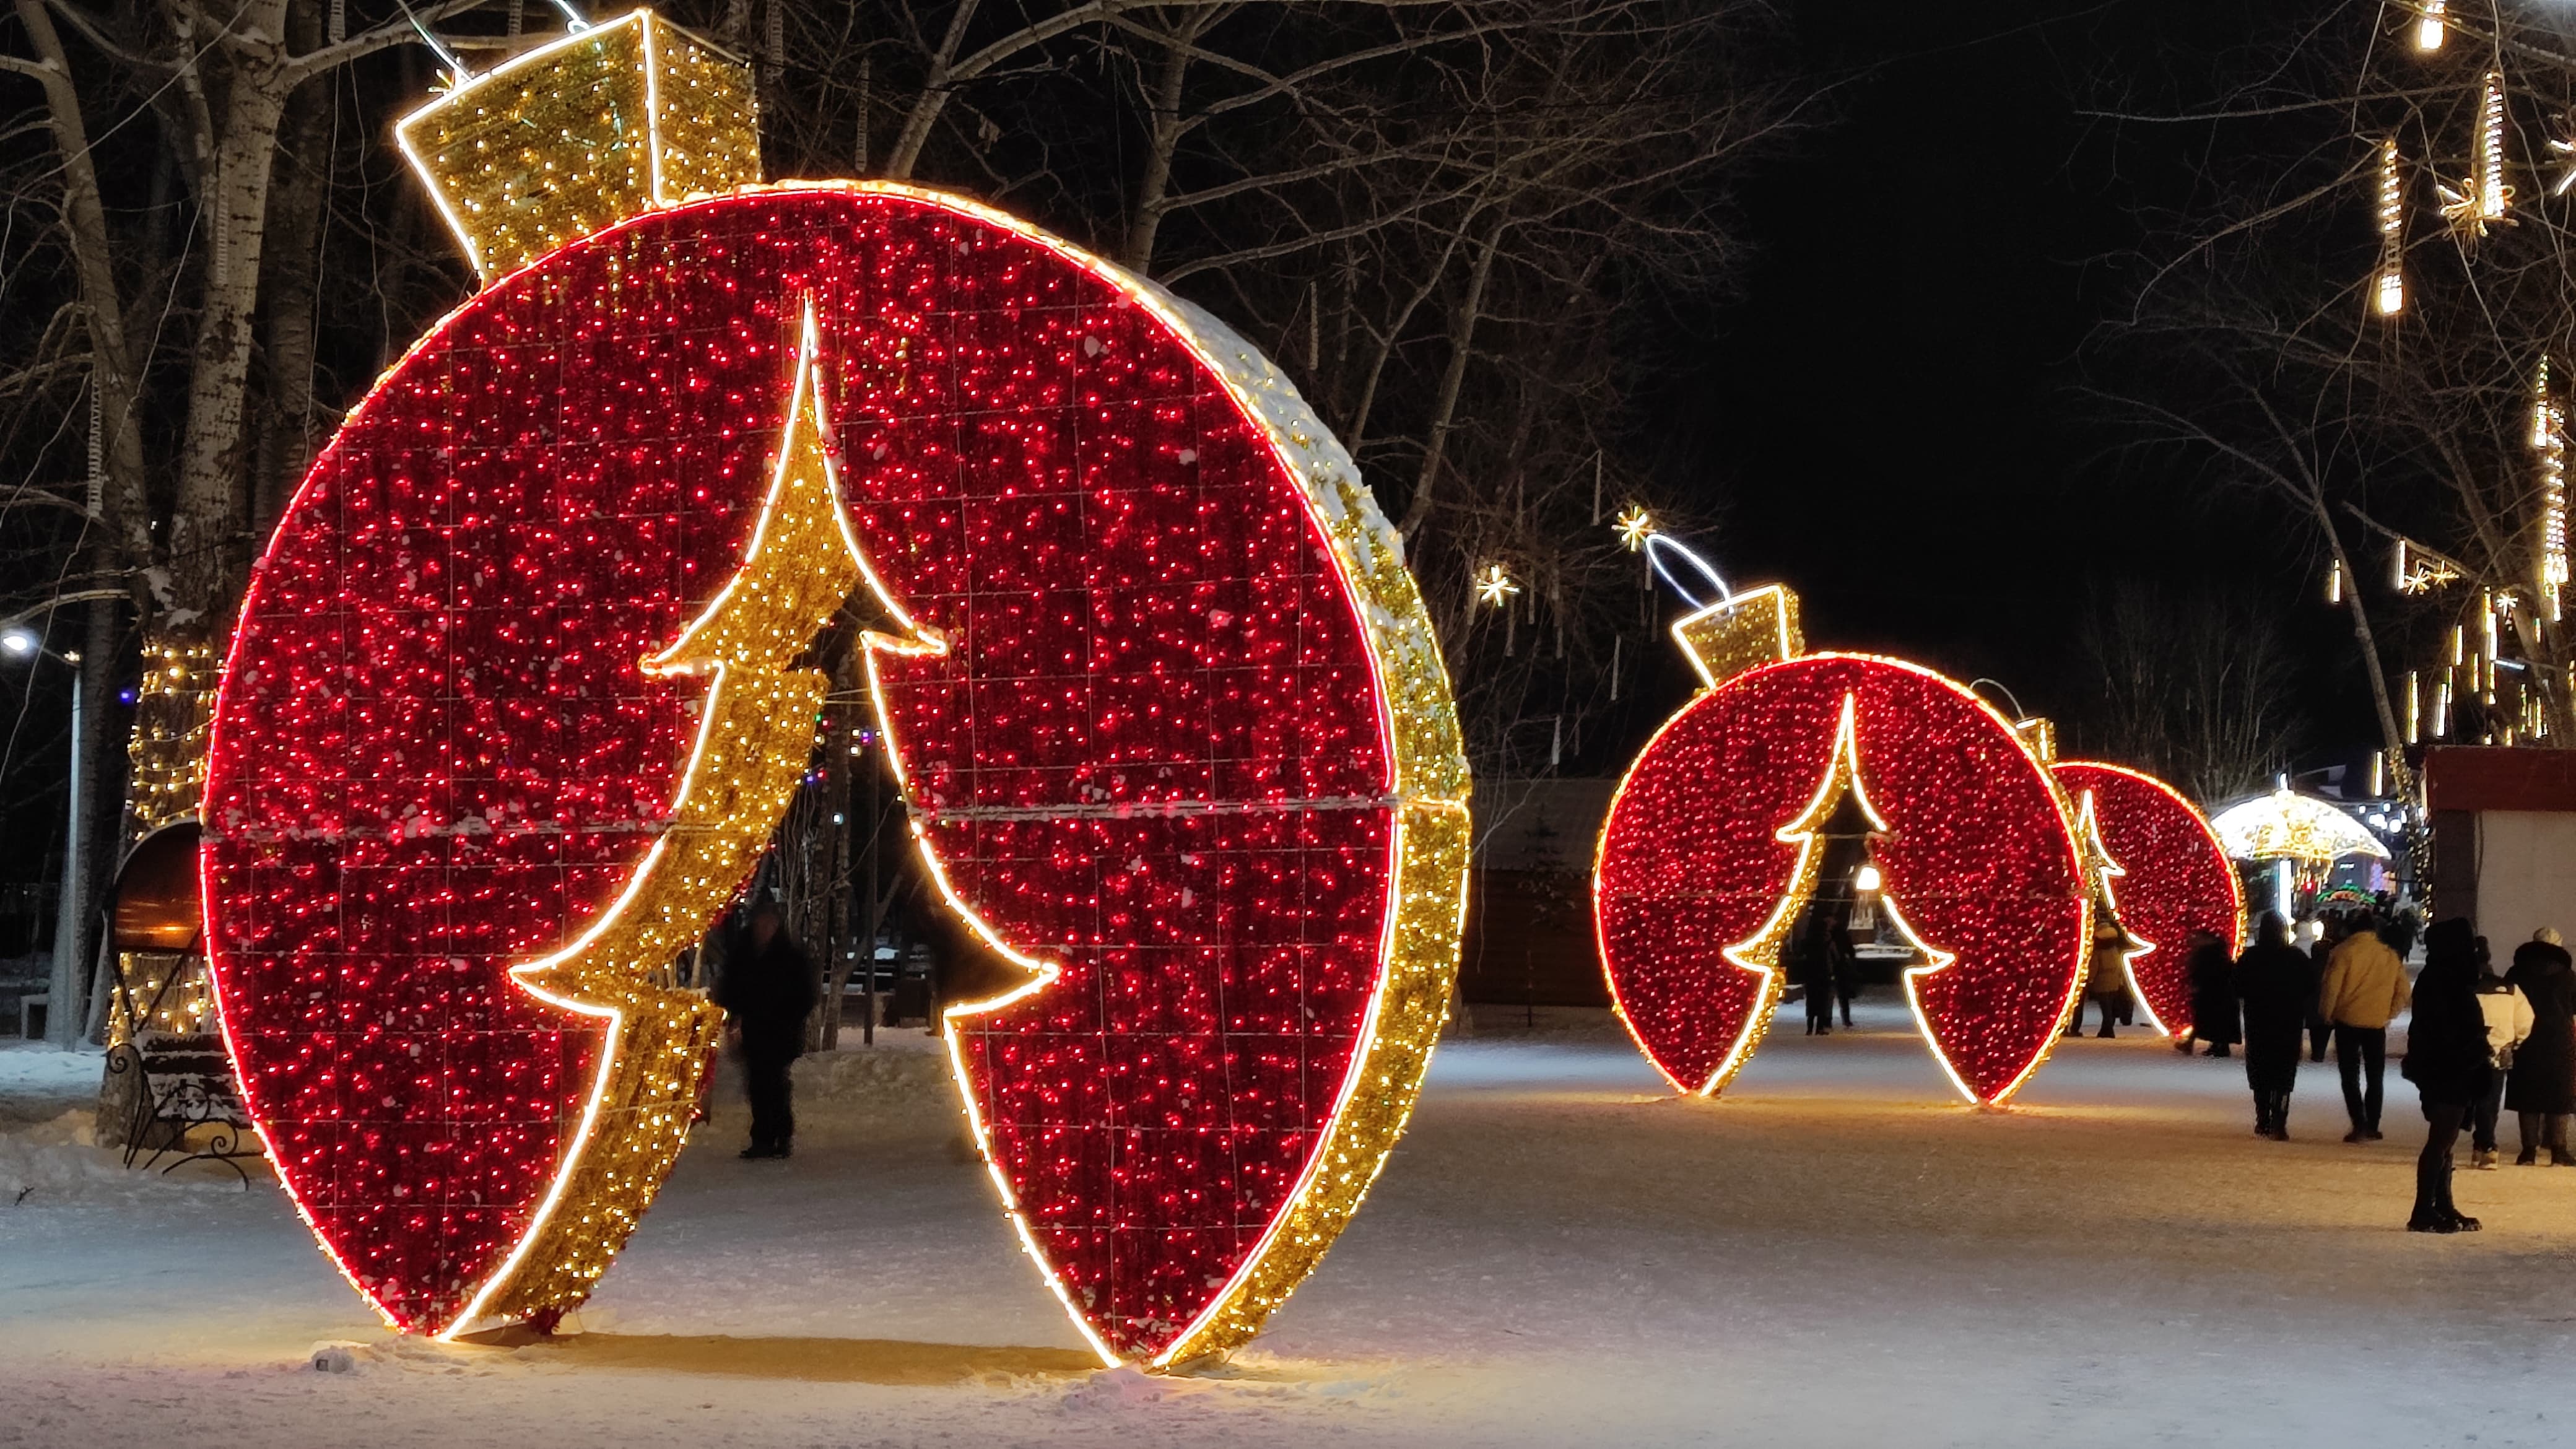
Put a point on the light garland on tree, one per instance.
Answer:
(2388, 295)
(1162, 698)
(2482, 198)
(2549, 439)
(166, 753)
(2429, 25)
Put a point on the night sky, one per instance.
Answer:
(1892, 413)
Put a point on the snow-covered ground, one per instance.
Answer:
(1835, 1254)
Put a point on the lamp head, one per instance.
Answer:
(19, 643)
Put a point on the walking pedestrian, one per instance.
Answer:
(1811, 966)
(2541, 1089)
(2446, 1059)
(2106, 982)
(2507, 1013)
(2275, 981)
(2320, 1030)
(767, 991)
(2363, 989)
(2213, 996)
(1846, 961)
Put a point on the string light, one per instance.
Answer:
(2482, 198)
(2429, 26)
(2549, 438)
(2389, 295)
(2175, 878)
(2334, 581)
(1694, 862)
(167, 750)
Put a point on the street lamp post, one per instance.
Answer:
(63, 1016)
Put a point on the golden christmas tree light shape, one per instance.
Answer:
(1760, 953)
(2103, 870)
(755, 739)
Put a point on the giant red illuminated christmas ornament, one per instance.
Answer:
(522, 687)
(1715, 844)
(2164, 873)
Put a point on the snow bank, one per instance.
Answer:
(60, 1161)
(904, 1076)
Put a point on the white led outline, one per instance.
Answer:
(1707, 570)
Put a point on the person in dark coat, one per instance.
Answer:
(1811, 965)
(2277, 984)
(1846, 960)
(2540, 1090)
(2213, 996)
(2447, 1060)
(767, 991)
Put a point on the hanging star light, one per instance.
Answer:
(1635, 527)
(1495, 587)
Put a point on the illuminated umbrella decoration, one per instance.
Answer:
(2286, 825)
(2299, 834)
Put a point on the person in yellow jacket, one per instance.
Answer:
(2363, 989)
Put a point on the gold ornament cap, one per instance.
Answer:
(1747, 631)
(2040, 735)
(581, 133)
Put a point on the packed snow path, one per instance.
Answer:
(1837, 1253)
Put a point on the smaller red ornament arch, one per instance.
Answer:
(1706, 855)
(2173, 878)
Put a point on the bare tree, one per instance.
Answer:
(2193, 686)
(2369, 322)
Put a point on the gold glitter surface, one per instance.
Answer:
(2039, 735)
(1428, 877)
(756, 737)
(580, 134)
(1754, 628)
